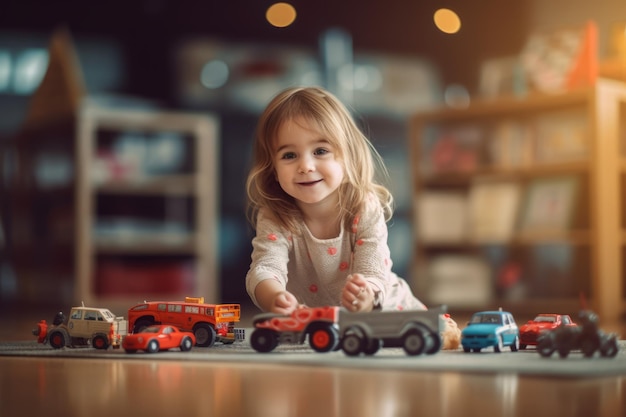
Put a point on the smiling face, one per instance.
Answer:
(307, 165)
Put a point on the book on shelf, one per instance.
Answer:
(562, 59)
(452, 149)
(493, 210)
(549, 204)
(511, 144)
(459, 281)
(562, 136)
(441, 217)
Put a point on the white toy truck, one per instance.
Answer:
(97, 327)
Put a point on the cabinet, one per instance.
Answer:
(519, 202)
(147, 200)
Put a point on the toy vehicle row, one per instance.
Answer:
(100, 328)
(209, 323)
(586, 337)
(332, 328)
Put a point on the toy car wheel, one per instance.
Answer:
(323, 338)
(372, 346)
(413, 342)
(466, 349)
(57, 339)
(545, 345)
(263, 340)
(515, 346)
(205, 334)
(352, 344)
(589, 347)
(186, 344)
(100, 342)
(609, 348)
(433, 343)
(153, 346)
(563, 352)
(522, 346)
(499, 346)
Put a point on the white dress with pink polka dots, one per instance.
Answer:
(315, 270)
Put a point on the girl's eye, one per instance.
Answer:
(288, 155)
(320, 151)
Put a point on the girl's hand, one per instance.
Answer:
(357, 294)
(283, 302)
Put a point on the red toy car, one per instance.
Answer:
(530, 331)
(155, 338)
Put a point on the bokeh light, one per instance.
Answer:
(447, 21)
(281, 14)
(214, 74)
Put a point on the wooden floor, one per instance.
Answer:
(103, 387)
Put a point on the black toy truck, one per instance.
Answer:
(586, 337)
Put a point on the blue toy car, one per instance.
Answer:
(490, 328)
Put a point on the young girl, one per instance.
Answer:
(319, 213)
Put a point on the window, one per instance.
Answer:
(90, 315)
(174, 308)
(192, 309)
(77, 314)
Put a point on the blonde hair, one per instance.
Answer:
(363, 165)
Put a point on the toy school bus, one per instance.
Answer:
(210, 323)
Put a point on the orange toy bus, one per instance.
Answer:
(210, 323)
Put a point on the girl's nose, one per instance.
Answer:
(306, 165)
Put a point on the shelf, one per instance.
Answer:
(156, 243)
(504, 173)
(568, 237)
(504, 106)
(169, 185)
(538, 144)
(150, 233)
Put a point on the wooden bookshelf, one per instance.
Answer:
(195, 187)
(595, 236)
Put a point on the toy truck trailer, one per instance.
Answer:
(329, 328)
(416, 331)
(97, 327)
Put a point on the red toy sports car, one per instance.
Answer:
(160, 337)
(530, 331)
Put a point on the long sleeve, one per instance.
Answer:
(372, 258)
(270, 255)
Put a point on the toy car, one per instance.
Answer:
(161, 337)
(490, 328)
(530, 331)
(586, 337)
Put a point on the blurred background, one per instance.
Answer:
(101, 203)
